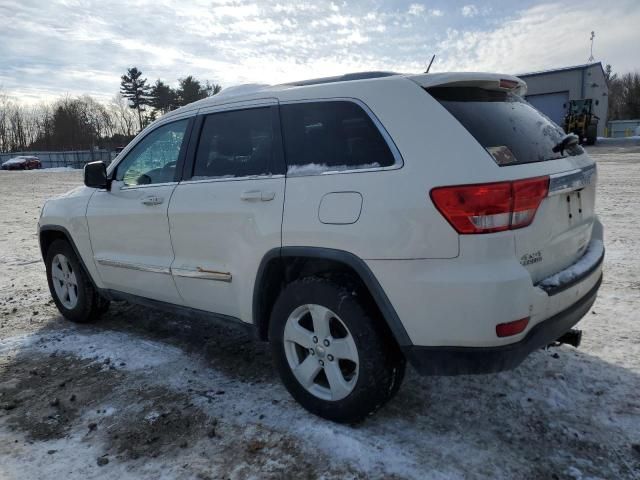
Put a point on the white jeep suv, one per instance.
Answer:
(354, 222)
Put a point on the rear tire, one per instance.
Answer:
(70, 286)
(343, 369)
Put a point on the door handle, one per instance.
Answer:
(266, 196)
(152, 200)
(257, 195)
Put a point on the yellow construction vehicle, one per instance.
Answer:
(581, 120)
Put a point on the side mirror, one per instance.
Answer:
(597, 102)
(95, 175)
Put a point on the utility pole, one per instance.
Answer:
(593, 35)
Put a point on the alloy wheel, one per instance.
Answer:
(321, 352)
(65, 282)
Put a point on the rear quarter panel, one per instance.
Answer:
(398, 219)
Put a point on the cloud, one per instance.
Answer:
(49, 49)
(469, 11)
(416, 9)
(541, 38)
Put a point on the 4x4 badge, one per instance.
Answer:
(530, 258)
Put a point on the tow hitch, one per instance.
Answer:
(573, 337)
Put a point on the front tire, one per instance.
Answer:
(331, 352)
(70, 286)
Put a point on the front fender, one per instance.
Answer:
(66, 214)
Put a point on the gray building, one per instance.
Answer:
(550, 90)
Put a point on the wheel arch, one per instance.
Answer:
(48, 234)
(280, 266)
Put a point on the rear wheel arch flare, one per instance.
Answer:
(281, 266)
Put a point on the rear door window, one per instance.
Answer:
(236, 144)
(331, 136)
(509, 128)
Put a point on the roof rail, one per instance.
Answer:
(342, 78)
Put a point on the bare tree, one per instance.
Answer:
(123, 117)
(82, 122)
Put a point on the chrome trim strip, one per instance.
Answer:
(148, 185)
(202, 273)
(573, 180)
(397, 157)
(232, 179)
(133, 266)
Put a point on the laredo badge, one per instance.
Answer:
(530, 258)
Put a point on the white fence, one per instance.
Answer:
(73, 158)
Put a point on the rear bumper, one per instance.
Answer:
(475, 360)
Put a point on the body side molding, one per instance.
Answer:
(132, 266)
(202, 273)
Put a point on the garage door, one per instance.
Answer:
(551, 104)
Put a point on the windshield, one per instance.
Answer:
(580, 106)
(509, 128)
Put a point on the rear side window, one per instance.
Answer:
(235, 144)
(509, 128)
(331, 136)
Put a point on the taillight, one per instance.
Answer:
(491, 207)
(527, 196)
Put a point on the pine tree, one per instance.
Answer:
(212, 88)
(190, 90)
(163, 97)
(136, 90)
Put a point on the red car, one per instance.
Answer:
(22, 163)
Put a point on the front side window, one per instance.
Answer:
(331, 136)
(154, 158)
(235, 144)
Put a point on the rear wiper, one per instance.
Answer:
(569, 140)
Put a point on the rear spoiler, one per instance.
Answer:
(488, 81)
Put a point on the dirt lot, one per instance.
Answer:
(148, 395)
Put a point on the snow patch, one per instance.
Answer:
(57, 169)
(590, 257)
(319, 168)
(136, 354)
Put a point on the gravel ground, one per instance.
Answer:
(143, 394)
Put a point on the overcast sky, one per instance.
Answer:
(51, 48)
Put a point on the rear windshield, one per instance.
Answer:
(508, 127)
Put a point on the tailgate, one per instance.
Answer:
(562, 228)
(524, 143)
